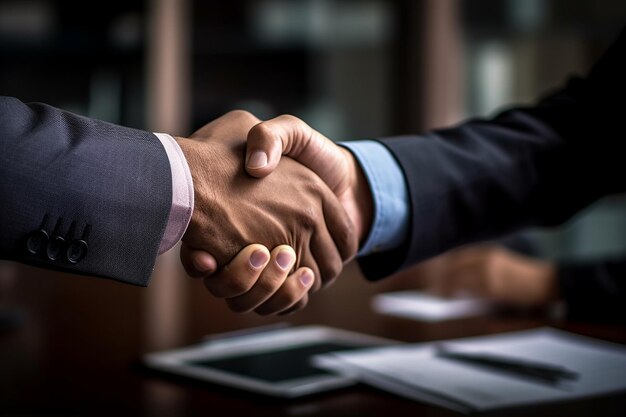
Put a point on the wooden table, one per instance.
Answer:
(76, 342)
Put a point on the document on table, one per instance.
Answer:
(415, 371)
(418, 305)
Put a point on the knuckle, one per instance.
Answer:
(267, 286)
(331, 270)
(265, 137)
(309, 217)
(287, 296)
(261, 133)
(236, 285)
(347, 240)
(227, 286)
(243, 116)
(318, 187)
(288, 118)
(240, 114)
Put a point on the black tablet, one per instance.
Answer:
(272, 362)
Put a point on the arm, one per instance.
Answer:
(294, 206)
(80, 179)
(527, 166)
(89, 197)
(483, 178)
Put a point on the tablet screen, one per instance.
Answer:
(276, 365)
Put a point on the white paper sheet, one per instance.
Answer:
(414, 371)
(421, 306)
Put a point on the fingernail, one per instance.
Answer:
(306, 278)
(258, 258)
(258, 159)
(283, 259)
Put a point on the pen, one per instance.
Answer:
(521, 367)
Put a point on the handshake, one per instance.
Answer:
(264, 231)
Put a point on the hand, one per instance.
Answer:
(335, 165)
(232, 210)
(492, 272)
(261, 276)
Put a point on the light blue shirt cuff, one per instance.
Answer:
(389, 193)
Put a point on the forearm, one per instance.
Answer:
(82, 179)
(527, 166)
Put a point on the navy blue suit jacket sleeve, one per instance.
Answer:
(527, 166)
(80, 195)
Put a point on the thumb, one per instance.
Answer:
(288, 135)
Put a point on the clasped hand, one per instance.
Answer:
(307, 220)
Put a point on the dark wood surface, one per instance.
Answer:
(72, 346)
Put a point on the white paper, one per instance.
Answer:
(414, 371)
(418, 305)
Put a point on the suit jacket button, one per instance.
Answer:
(55, 248)
(76, 251)
(36, 241)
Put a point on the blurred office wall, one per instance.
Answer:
(351, 68)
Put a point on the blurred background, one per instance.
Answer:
(352, 69)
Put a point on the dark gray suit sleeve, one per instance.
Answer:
(527, 166)
(80, 195)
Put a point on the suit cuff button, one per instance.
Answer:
(36, 241)
(55, 247)
(76, 251)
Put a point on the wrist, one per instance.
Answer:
(360, 207)
(180, 140)
(186, 147)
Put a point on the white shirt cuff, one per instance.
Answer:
(182, 194)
